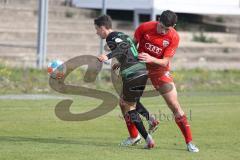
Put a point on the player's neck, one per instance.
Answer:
(109, 31)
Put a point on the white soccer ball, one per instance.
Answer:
(56, 69)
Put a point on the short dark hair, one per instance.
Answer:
(104, 20)
(168, 18)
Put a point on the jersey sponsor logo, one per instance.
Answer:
(167, 74)
(152, 48)
(118, 40)
(165, 43)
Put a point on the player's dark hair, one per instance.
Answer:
(168, 18)
(103, 20)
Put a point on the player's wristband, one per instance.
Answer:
(109, 55)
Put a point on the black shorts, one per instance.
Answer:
(134, 85)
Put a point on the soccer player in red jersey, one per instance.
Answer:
(157, 44)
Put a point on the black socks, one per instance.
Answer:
(136, 119)
(142, 110)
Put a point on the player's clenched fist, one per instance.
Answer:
(145, 57)
(102, 57)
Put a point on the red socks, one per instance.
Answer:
(133, 132)
(181, 122)
(185, 128)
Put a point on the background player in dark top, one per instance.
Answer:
(134, 74)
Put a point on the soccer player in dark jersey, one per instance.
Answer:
(157, 43)
(134, 75)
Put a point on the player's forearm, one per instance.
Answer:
(161, 62)
(145, 57)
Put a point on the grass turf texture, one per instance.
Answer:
(31, 131)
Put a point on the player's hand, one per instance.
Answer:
(144, 57)
(116, 66)
(102, 57)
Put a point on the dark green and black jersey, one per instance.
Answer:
(124, 50)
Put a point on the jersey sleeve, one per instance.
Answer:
(109, 55)
(171, 49)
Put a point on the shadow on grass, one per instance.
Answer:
(86, 141)
(82, 141)
(165, 148)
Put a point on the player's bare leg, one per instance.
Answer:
(180, 118)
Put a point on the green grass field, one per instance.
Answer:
(30, 130)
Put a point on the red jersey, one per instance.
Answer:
(155, 44)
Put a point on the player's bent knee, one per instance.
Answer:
(165, 88)
(129, 105)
